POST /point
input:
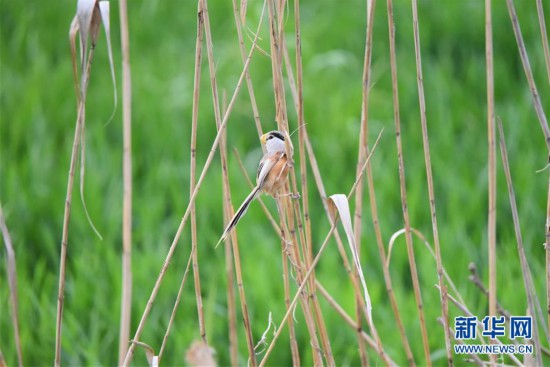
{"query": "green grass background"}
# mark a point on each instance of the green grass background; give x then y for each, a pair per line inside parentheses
(38, 112)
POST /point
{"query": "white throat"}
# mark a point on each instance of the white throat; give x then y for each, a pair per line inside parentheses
(275, 145)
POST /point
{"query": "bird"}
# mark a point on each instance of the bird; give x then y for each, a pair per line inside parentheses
(271, 177)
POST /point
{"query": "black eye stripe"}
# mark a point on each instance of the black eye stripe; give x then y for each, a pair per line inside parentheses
(277, 134)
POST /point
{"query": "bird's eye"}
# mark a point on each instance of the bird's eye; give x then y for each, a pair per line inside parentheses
(269, 137)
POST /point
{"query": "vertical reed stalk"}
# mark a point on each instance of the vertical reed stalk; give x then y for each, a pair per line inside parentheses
(67, 214)
(229, 268)
(291, 247)
(202, 14)
(305, 232)
(250, 88)
(544, 37)
(525, 270)
(244, 305)
(194, 120)
(540, 114)
(286, 280)
(492, 214)
(429, 178)
(385, 268)
(11, 271)
(363, 142)
(192, 199)
(302, 130)
(126, 301)
(408, 236)
(223, 150)
(231, 304)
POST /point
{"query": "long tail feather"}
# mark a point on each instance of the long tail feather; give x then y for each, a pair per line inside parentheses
(238, 215)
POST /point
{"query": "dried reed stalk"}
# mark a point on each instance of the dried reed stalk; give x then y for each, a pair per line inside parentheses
(193, 256)
(231, 304)
(385, 268)
(492, 182)
(191, 201)
(244, 304)
(202, 21)
(11, 271)
(525, 270)
(429, 178)
(223, 152)
(242, 49)
(227, 215)
(402, 184)
(126, 297)
(302, 131)
(295, 352)
(362, 154)
(67, 212)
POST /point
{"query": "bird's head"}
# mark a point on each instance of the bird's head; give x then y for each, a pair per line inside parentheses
(274, 141)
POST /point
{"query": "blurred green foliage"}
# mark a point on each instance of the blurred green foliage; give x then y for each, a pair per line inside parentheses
(38, 113)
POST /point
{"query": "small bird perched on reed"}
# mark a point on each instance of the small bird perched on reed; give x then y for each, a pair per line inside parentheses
(271, 177)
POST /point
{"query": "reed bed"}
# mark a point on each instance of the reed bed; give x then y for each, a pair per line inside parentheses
(336, 274)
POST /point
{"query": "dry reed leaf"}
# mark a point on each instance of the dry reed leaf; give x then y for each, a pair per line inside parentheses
(73, 32)
(419, 234)
(104, 10)
(82, 175)
(90, 15)
(84, 12)
(149, 353)
(200, 354)
(341, 203)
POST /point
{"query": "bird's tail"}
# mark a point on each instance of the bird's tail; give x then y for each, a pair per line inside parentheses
(238, 215)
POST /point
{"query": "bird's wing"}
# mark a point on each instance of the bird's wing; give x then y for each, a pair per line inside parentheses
(266, 164)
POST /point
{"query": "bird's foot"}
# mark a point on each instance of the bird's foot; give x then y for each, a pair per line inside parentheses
(291, 194)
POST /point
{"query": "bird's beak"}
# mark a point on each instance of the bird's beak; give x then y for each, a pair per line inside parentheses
(263, 138)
